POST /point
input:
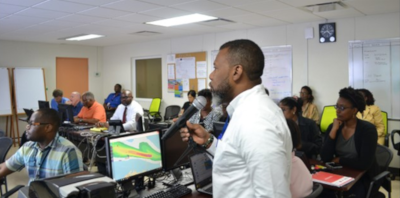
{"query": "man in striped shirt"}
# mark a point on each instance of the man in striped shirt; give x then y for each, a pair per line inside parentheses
(46, 154)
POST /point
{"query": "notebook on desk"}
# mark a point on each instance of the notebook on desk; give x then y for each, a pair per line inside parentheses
(201, 166)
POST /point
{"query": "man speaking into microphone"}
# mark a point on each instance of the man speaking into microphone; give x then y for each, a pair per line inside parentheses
(252, 155)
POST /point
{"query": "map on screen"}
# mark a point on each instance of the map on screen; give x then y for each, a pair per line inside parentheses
(136, 154)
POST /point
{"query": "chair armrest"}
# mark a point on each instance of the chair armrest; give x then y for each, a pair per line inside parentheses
(380, 176)
(12, 191)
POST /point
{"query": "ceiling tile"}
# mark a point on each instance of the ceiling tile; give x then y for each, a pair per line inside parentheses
(104, 13)
(166, 2)
(80, 18)
(256, 19)
(236, 2)
(63, 6)
(23, 20)
(292, 15)
(23, 2)
(336, 14)
(237, 26)
(264, 6)
(115, 23)
(131, 6)
(138, 18)
(166, 12)
(42, 13)
(10, 9)
(375, 7)
(226, 12)
(199, 6)
(62, 24)
(301, 3)
(93, 2)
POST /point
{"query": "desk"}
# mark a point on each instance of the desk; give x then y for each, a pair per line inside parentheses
(345, 171)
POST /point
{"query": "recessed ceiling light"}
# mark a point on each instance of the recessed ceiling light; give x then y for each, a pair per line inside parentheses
(193, 18)
(83, 37)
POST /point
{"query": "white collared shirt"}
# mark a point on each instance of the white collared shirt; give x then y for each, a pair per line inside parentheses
(133, 110)
(254, 157)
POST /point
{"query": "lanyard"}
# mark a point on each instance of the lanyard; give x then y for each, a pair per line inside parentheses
(224, 129)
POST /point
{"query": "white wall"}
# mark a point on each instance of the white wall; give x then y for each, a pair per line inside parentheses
(29, 54)
(327, 63)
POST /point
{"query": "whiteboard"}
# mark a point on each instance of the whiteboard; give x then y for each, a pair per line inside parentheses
(29, 87)
(5, 93)
(277, 75)
(374, 65)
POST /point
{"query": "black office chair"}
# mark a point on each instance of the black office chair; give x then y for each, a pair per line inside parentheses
(397, 144)
(317, 190)
(383, 156)
(171, 112)
(5, 145)
(2, 133)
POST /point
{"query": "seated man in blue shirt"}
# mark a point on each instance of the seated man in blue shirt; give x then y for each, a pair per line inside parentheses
(114, 99)
(46, 154)
(58, 99)
(75, 101)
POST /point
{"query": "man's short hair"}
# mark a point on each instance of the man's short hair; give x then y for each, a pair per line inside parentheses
(118, 85)
(57, 93)
(88, 95)
(248, 54)
(49, 116)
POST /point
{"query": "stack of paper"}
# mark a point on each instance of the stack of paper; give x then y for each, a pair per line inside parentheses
(331, 179)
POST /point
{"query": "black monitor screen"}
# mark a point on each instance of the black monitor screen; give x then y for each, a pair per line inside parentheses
(173, 148)
(66, 112)
(116, 126)
(43, 104)
(132, 155)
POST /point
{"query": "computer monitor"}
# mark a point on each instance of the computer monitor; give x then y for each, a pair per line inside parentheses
(133, 155)
(116, 126)
(66, 112)
(44, 104)
(172, 149)
(217, 128)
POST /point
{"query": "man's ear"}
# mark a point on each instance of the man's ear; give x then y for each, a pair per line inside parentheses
(49, 128)
(238, 72)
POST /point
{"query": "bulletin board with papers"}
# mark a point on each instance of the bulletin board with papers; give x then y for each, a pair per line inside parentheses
(187, 71)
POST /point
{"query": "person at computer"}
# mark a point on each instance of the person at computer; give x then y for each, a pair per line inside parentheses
(113, 99)
(301, 183)
(351, 142)
(91, 112)
(75, 101)
(310, 135)
(191, 97)
(207, 115)
(58, 99)
(372, 114)
(309, 109)
(128, 112)
(252, 157)
(46, 154)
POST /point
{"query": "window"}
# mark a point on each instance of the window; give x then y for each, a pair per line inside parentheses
(148, 78)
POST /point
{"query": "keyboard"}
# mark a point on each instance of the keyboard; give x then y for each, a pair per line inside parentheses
(175, 191)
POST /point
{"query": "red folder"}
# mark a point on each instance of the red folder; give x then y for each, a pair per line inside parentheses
(331, 179)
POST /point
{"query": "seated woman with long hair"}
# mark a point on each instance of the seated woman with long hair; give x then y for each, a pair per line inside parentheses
(207, 115)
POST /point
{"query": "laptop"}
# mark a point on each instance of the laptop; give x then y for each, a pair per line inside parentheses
(201, 166)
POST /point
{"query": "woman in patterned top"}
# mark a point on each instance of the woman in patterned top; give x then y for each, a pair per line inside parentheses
(207, 115)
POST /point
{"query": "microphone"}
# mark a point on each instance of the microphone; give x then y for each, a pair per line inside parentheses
(198, 104)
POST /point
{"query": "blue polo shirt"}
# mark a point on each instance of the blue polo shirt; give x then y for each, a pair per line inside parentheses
(114, 100)
(76, 109)
(54, 104)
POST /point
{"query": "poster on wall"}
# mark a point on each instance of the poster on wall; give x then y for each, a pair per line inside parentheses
(171, 71)
(185, 68)
(178, 88)
(171, 86)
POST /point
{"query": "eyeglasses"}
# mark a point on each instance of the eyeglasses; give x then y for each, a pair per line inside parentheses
(342, 108)
(36, 123)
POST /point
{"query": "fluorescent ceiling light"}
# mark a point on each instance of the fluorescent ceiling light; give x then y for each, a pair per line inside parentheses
(193, 18)
(83, 37)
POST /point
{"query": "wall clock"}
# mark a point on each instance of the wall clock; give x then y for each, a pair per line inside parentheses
(327, 32)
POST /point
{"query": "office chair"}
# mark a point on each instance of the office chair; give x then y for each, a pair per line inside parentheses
(385, 123)
(2, 133)
(317, 190)
(5, 145)
(383, 156)
(153, 113)
(397, 144)
(328, 114)
(171, 112)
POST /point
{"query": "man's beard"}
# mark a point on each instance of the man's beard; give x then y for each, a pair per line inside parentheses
(221, 94)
